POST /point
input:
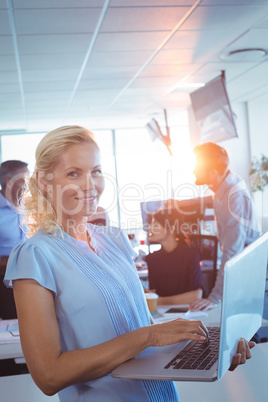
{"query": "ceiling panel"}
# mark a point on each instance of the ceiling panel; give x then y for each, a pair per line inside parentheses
(49, 62)
(11, 119)
(234, 2)
(8, 77)
(102, 96)
(245, 84)
(3, 4)
(194, 39)
(110, 72)
(119, 59)
(212, 70)
(151, 82)
(31, 97)
(48, 86)
(173, 70)
(151, 3)
(179, 56)
(4, 23)
(104, 83)
(12, 97)
(129, 41)
(128, 70)
(8, 63)
(53, 44)
(44, 107)
(218, 18)
(6, 44)
(56, 21)
(142, 18)
(57, 4)
(262, 24)
(9, 88)
(49, 75)
(256, 38)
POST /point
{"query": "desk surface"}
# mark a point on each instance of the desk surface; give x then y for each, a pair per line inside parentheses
(211, 317)
(10, 350)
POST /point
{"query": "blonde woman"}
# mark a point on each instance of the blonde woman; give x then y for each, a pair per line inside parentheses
(80, 304)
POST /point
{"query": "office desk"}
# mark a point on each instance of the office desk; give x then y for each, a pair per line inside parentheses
(10, 350)
(210, 318)
(248, 383)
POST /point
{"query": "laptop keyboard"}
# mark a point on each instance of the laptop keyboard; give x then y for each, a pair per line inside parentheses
(198, 355)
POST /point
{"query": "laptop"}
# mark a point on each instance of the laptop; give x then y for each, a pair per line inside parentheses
(241, 316)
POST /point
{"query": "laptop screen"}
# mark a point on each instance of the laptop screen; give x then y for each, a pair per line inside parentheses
(243, 298)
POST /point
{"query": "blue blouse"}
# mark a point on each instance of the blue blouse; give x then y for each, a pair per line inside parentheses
(97, 296)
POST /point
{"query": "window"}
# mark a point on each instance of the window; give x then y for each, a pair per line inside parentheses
(21, 147)
(141, 170)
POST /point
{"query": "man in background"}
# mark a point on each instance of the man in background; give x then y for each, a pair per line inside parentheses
(236, 219)
(12, 180)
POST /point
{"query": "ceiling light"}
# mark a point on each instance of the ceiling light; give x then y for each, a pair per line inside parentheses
(251, 54)
(186, 87)
(190, 85)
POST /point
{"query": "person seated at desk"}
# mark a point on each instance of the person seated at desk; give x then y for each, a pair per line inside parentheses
(12, 231)
(12, 180)
(174, 270)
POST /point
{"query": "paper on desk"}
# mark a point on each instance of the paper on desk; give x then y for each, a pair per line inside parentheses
(9, 331)
(189, 315)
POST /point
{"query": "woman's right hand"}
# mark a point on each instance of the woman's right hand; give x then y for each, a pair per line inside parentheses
(177, 330)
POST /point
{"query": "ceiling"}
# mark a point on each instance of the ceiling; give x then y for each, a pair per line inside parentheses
(110, 64)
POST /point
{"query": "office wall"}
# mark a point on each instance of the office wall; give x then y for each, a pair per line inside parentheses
(258, 126)
(239, 148)
(252, 140)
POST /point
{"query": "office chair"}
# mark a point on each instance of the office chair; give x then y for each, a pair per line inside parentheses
(8, 311)
(7, 303)
(207, 245)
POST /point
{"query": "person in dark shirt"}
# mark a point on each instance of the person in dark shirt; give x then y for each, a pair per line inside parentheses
(174, 270)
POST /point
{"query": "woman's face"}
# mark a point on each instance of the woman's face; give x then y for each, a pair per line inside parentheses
(76, 184)
(157, 233)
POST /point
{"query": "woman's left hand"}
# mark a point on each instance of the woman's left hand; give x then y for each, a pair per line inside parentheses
(243, 353)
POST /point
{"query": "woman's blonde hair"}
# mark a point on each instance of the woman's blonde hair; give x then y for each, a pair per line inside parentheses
(38, 211)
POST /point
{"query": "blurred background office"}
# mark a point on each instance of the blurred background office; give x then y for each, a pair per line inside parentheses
(113, 66)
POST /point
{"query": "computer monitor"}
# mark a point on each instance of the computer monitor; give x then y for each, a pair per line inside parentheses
(186, 216)
(147, 207)
(212, 111)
